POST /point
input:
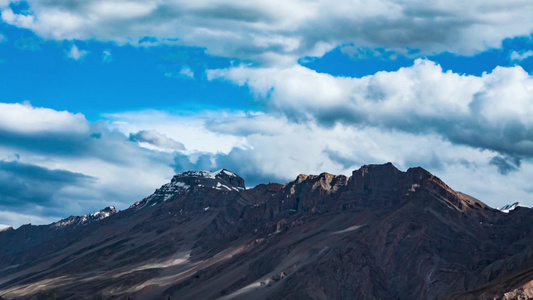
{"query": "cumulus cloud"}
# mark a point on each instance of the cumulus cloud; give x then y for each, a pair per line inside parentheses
(55, 164)
(156, 139)
(493, 111)
(283, 31)
(75, 53)
(277, 150)
(62, 173)
(24, 118)
(189, 129)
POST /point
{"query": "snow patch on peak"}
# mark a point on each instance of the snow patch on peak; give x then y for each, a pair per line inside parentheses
(507, 208)
(166, 192)
(229, 173)
(178, 185)
(104, 213)
(220, 186)
(207, 174)
(188, 182)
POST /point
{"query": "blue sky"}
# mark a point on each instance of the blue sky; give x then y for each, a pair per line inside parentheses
(110, 77)
(101, 102)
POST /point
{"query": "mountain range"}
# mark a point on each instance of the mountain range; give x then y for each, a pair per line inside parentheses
(379, 234)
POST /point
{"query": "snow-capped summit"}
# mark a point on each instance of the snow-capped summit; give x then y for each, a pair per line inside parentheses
(208, 174)
(221, 179)
(192, 182)
(507, 208)
(85, 218)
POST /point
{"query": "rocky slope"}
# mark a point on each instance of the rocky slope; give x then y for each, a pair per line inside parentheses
(378, 234)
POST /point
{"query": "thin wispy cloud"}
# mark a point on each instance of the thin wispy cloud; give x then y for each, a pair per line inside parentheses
(75, 53)
(516, 56)
(28, 43)
(107, 56)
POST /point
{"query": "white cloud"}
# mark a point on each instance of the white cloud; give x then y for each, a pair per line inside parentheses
(70, 166)
(15, 219)
(2, 38)
(261, 147)
(184, 73)
(493, 111)
(122, 9)
(19, 20)
(151, 138)
(276, 149)
(75, 53)
(187, 72)
(280, 32)
(516, 56)
(187, 129)
(24, 118)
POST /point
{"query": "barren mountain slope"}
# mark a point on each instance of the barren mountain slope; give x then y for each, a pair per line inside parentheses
(379, 234)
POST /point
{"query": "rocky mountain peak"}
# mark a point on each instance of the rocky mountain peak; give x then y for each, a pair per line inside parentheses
(386, 168)
(372, 177)
(375, 173)
(192, 182)
(371, 185)
(388, 175)
(85, 218)
(325, 181)
(301, 178)
(206, 177)
(9, 228)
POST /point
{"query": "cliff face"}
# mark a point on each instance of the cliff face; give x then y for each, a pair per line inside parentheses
(379, 234)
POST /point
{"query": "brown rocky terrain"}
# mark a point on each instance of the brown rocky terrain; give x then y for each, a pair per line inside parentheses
(379, 234)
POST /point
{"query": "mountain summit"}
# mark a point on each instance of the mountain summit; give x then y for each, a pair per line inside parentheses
(378, 234)
(191, 183)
